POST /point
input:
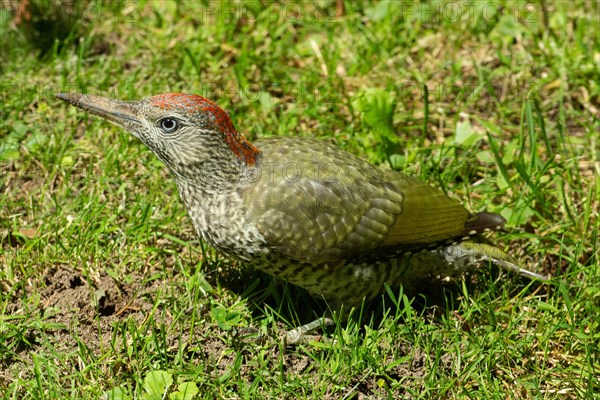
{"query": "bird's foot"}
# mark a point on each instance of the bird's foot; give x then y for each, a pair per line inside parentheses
(301, 335)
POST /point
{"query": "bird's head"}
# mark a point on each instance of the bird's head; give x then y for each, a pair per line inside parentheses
(187, 132)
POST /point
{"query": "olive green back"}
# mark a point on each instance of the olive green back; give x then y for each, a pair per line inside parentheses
(316, 203)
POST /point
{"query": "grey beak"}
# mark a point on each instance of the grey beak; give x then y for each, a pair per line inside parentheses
(116, 111)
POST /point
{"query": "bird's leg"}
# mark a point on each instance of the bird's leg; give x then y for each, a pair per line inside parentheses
(337, 312)
(301, 335)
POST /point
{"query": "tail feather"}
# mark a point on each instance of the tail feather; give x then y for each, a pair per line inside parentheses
(482, 222)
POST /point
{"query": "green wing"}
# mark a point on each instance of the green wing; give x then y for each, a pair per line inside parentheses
(428, 216)
(318, 204)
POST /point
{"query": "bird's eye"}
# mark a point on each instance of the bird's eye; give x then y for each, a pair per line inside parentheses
(169, 125)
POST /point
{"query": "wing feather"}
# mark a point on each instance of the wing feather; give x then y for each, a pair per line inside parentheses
(356, 209)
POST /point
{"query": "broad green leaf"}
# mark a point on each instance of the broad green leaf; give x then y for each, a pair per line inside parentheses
(117, 393)
(377, 107)
(157, 383)
(185, 391)
(224, 318)
(465, 135)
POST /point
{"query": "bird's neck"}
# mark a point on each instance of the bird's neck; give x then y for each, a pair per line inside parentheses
(214, 197)
(213, 176)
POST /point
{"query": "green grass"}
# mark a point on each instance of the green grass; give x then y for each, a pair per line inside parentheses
(106, 291)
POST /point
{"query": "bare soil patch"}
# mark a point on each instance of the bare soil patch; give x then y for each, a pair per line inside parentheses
(75, 310)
